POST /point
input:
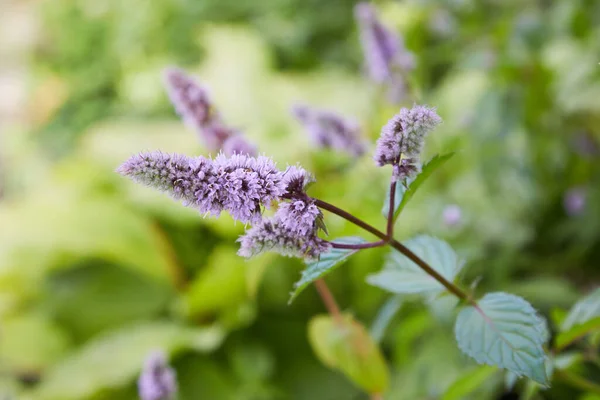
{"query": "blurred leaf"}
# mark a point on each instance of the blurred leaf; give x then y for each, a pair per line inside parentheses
(98, 296)
(326, 263)
(31, 342)
(469, 382)
(384, 316)
(346, 345)
(576, 332)
(583, 311)
(403, 194)
(219, 286)
(401, 275)
(504, 331)
(114, 359)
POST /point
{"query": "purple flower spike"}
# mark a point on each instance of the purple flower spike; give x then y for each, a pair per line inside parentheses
(297, 179)
(239, 184)
(385, 55)
(271, 235)
(402, 138)
(299, 217)
(193, 105)
(329, 130)
(157, 380)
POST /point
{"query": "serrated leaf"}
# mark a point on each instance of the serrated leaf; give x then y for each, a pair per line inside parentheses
(326, 263)
(583, 311)
(504, 330)
(113, 360)
(576, 332)
(401, 275)
(404, 194)
(468, 383)
(346, 346)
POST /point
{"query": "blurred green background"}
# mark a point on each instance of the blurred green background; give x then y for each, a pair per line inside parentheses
(96, 271)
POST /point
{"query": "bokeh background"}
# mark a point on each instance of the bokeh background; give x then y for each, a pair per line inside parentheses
(95, 271)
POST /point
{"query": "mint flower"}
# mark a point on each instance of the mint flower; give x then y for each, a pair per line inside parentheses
(330, 130)
(239, 184)
(157, 380)
(192, 103)
(299, 217)
(402, 138)
(297, 180)
(272, 235)
(386, 57)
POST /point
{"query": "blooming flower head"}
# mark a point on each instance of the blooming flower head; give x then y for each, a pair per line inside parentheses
(157, 380)
(402, 138)
(385, 55)
(239, 184)
(296, 180)
(194, 106)
(272, 235)
(329, 130)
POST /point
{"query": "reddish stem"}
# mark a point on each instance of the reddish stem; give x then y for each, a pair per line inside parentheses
(328, 300)
(358, 246)
(390, 218)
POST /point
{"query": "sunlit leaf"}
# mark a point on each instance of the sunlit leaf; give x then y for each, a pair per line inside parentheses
(345, 345)
(583, 311)
(326, 263)
(401, 275)
(469, 382)
(504, 330)
(576, 332)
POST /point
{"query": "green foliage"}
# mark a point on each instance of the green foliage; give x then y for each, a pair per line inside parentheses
(583, 311)
(326, 263)
(504, 330)
(401, 275)
(406, 190)
(344, 344)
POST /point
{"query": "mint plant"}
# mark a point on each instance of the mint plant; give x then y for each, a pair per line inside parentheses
(498, 329)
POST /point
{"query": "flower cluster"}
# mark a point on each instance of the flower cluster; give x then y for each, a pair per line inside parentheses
(157, 380)
(239, 184)
(329, 130)
(401, 140)
(192, 103)
(385, 55)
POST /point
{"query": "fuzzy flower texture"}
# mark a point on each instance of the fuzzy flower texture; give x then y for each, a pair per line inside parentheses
(242, 186)
(401, 140)
(157, 380)
(192, 103)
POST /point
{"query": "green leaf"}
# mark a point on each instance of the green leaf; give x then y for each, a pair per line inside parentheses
(583, 311)
(326, 263)
(113, 360)
(384, 317)
(576, 332)
(504, 330)
(404, 194)
(401, 275)
(345, 345)
(468, 383)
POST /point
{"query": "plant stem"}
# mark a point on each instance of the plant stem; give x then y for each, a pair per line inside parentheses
(390, 218)
(328, 300)
(358, 246)
(452, 288)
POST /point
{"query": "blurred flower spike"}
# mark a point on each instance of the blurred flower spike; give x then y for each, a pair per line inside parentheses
(330, 130)
(157, 380)
(192, 103)
(386, 58)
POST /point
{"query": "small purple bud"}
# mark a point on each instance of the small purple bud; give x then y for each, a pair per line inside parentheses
(574, 201)
(157, 380)
(330, 130)
(452, 215)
